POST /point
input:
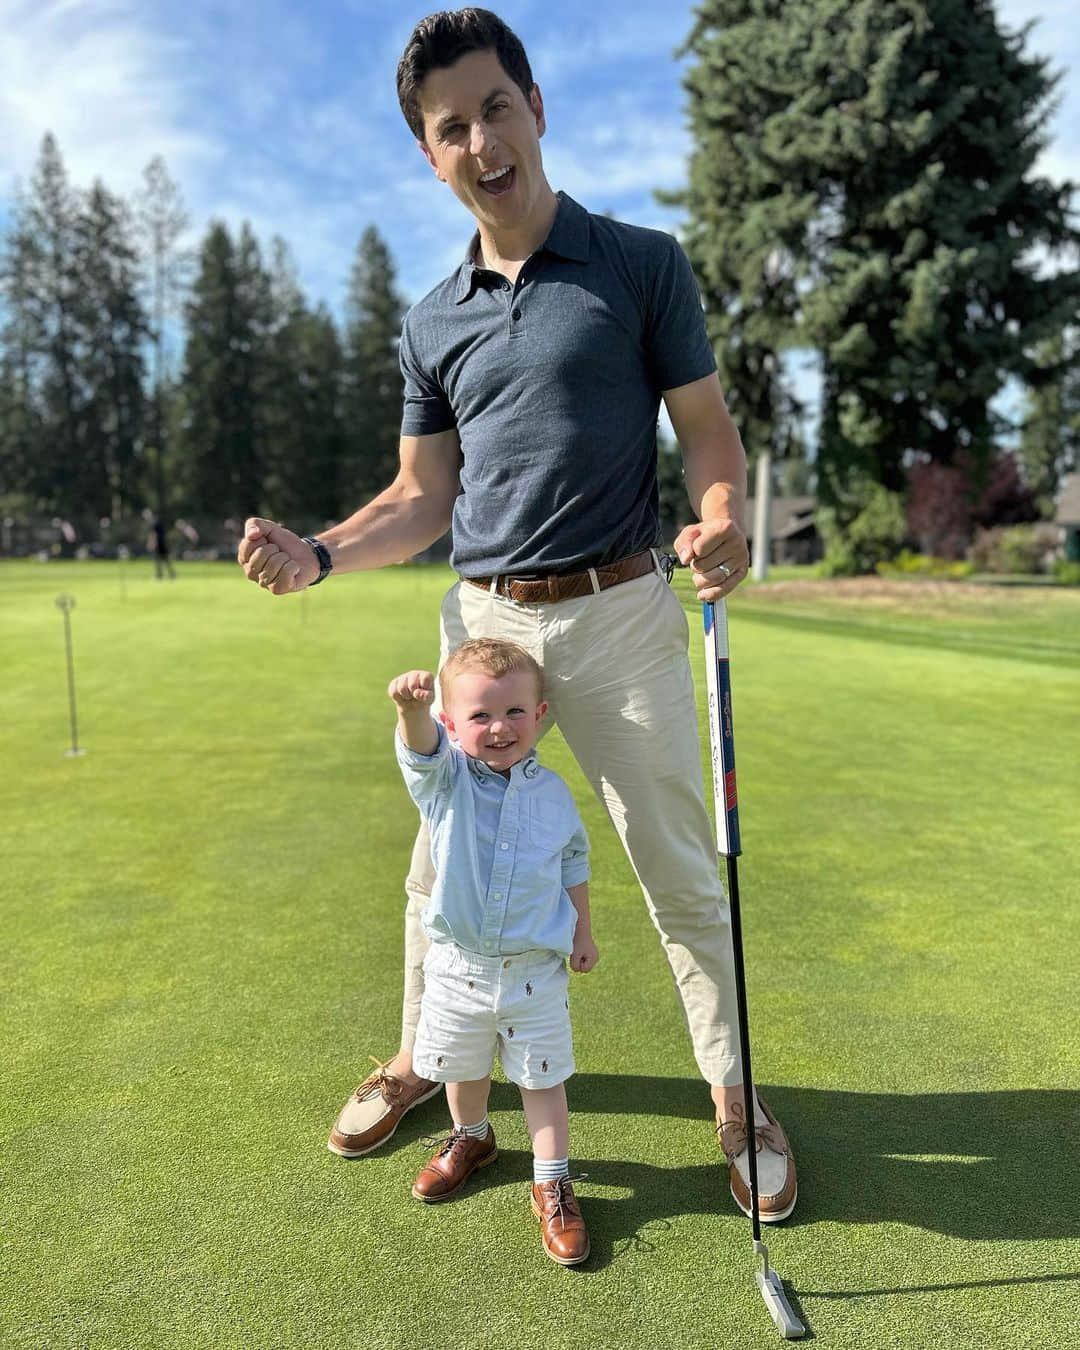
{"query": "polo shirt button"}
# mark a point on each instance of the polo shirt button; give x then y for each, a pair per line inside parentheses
(498, 895)
(516, 314)
(504, 847)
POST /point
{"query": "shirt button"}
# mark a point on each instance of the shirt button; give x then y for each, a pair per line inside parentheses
(504, 847)
(516, 314)
(506, 965)
(498, 895)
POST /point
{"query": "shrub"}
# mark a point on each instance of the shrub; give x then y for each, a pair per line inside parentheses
(1023, 549)
(945, 502)
(1067, 573)
(908, 564)
(868, 529)
(939, 508)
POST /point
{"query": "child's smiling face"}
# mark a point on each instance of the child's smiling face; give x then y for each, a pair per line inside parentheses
(496, 719)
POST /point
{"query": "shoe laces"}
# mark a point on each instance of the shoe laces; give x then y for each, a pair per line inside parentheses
(559, 1198)
(380, 1081)
(763, 1136)
(444, 1143)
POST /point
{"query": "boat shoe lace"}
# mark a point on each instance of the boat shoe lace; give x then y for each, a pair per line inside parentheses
(732, 1135)
(379, 1082)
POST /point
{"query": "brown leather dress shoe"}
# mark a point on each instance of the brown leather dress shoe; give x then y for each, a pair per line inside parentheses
(458, 1156)
(562, 1229)
(374, 1111)
(777, 1183)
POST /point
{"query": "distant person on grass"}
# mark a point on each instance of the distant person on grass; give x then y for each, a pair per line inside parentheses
(509, 906)
(533, 378)
(158, 543)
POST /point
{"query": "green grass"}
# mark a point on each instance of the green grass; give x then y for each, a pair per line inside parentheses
(202, 922)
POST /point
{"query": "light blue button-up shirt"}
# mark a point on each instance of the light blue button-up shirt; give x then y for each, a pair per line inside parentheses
(504, 849)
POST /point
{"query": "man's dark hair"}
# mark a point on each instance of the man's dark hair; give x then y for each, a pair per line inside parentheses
(441, 39)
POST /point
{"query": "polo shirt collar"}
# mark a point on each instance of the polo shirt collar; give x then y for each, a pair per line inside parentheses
(528, 767)
(567, 238)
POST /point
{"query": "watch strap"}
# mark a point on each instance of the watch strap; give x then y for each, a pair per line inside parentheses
(322, 555)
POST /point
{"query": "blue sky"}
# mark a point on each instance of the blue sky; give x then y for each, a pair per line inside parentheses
(284, 113)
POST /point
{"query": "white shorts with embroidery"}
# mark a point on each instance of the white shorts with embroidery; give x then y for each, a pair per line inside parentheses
(473, 1005)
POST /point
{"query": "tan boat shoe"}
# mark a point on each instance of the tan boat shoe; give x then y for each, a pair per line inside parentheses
(777, 1184)
(562, 1228)
(374, 1111)
(456, 1158)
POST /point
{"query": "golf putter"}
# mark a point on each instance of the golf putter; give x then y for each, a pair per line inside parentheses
(722, 742)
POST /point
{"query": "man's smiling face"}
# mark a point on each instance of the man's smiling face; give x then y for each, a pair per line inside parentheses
(482, 137)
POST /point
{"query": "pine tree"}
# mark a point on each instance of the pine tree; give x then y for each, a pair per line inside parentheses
(54, 300)
(21, 350)
(162, 221)
(373, 385)
(748, 218)
(113, 330)
(1050, 436)
(863, 183)
(302, 430)
(925, 300)
(225, 377)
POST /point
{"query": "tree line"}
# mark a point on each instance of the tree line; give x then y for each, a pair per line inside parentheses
(861, 185)
(274, 406)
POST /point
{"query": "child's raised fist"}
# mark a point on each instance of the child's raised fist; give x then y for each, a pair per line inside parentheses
(412, 688)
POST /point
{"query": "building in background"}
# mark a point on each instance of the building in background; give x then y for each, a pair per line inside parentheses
(793, 536)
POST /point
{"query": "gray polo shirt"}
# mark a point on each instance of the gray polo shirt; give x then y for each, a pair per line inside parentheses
(554, 387)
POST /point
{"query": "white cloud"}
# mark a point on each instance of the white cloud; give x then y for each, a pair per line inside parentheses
(111, 91)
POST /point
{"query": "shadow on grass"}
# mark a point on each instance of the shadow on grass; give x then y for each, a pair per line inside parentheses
(971, 1165)
(966, 1164)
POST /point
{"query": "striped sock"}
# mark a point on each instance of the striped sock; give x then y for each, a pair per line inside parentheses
(550, 1169)
(478, 1131)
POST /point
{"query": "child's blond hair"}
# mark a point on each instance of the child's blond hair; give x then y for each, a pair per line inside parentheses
(492, 656)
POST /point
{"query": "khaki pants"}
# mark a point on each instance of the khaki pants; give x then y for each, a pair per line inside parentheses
(617, 678)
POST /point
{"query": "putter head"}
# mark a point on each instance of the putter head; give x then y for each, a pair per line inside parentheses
(772, 1291)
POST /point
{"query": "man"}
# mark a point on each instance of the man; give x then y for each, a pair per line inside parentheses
(532, 384)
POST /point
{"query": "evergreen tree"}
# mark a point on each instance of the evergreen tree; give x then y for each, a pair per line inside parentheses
(748, 218)
(53, 302)
(373, 387)
(21, 350)
(675, 510)
(162, 221)
(113, 330)
(863, 172)
(224, 377)
(302, 419)
(925, 135)
(1050, 437)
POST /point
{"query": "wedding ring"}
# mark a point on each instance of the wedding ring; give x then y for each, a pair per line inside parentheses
(723, 567)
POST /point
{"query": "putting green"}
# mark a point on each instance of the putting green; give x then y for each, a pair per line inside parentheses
(202, 922)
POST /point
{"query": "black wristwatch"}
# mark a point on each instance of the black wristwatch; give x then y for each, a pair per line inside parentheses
(326, 563)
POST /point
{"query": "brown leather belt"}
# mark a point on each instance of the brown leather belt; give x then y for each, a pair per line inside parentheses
(548, 590)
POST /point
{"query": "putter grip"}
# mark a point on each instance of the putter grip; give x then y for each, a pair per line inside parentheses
(721, 729)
